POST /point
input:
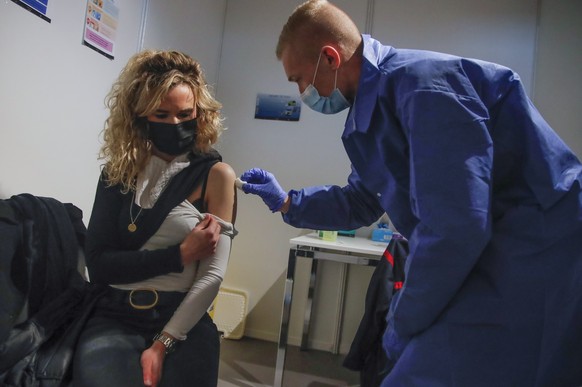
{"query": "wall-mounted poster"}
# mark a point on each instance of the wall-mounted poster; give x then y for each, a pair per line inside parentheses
(101, 21)
(278, 107)
(37, 7)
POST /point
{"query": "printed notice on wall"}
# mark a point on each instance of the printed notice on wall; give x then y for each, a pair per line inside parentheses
(277, 107)
(101, 26)
(37, 7)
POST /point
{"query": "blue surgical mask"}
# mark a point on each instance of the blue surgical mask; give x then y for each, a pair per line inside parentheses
(335, 103)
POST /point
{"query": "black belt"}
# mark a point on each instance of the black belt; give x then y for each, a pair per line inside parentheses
(143, 298)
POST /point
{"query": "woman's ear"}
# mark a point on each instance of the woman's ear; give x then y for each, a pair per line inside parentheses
(332, 57)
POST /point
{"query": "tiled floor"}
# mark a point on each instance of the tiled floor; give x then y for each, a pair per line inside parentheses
(251, 363)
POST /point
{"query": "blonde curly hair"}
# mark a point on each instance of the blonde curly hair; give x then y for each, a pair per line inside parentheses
(141, 86)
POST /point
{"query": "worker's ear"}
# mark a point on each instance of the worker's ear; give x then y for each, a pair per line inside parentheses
(331, 56)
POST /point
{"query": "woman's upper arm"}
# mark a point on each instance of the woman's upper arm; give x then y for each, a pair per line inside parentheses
(221, 192)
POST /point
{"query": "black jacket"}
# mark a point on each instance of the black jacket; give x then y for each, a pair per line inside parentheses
(366, 353)
(40, 243)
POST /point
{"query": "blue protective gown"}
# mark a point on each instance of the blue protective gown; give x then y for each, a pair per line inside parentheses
(490, 199)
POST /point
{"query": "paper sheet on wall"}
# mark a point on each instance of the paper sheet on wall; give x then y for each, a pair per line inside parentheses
(278, 107)
(101, 21)
(37, 7)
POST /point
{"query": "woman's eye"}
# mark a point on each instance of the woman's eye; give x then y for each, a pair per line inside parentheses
(161, 116)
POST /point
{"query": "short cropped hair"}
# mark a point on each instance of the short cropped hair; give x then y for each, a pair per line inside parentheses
(314, 24)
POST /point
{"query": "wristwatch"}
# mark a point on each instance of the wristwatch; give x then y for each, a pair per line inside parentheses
(166, 340)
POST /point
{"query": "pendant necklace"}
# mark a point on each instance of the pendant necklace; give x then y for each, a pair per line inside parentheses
(132, 227)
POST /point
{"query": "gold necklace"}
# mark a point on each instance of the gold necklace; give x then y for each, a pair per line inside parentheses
(132, 227)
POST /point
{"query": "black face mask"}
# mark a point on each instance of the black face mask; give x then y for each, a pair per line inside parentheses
(172, 139)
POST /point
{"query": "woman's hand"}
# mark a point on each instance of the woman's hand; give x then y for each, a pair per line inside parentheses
(201, 241)
(152, 361)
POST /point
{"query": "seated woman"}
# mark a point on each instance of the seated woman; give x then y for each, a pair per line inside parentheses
(160, 230)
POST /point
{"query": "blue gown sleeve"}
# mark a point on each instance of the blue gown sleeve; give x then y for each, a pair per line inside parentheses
(331, 207)
(451, 155)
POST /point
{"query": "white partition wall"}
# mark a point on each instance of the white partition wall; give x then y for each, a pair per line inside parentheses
(194, 27)
(53, 87)
(503, 32)
(52, 96)
(558, 71)
(299, 153)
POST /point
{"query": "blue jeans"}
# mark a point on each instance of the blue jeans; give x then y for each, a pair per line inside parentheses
(109, 350)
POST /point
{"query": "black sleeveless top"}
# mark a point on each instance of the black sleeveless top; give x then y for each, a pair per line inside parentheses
(112, 251)
(199, 203)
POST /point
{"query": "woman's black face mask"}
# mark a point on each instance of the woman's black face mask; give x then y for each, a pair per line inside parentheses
(172, 139)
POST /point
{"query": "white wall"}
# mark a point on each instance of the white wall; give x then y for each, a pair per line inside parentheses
(498, 31)
(194, 27)
(53, 87)
(52, 96)
(310, 152)
(558, 74)
(300, 154)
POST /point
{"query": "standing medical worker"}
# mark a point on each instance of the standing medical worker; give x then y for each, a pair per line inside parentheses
(486, 192)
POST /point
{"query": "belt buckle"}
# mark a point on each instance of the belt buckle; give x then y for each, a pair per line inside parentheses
(147, 306)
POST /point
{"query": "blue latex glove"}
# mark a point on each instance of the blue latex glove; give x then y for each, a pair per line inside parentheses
(263, 183)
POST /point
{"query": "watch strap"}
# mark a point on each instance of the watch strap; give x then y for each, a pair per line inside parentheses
(165, 339)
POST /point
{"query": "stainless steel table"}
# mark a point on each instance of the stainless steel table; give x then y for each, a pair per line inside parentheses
(345, 250)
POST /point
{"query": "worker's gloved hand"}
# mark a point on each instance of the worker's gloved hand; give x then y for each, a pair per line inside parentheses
(263, 183)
